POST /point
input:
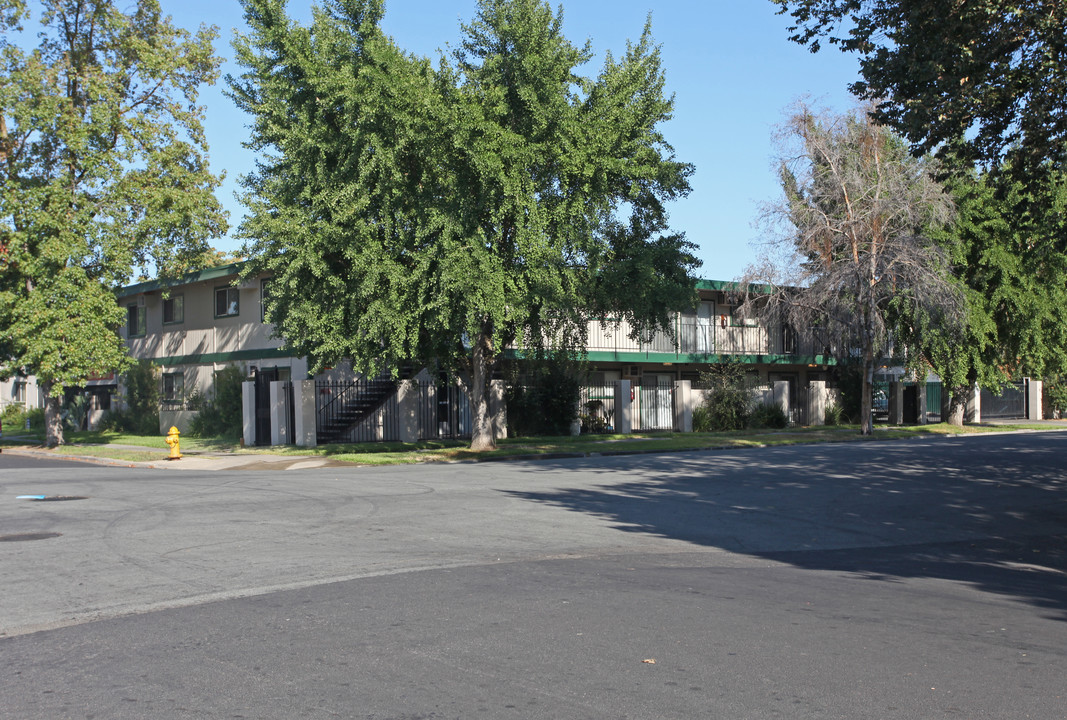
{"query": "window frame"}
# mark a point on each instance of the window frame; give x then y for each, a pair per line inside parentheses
(139, 314)
(236, 301)
(176, 398)
(180, 299)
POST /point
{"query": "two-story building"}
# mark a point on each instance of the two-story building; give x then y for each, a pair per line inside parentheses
(207, 320)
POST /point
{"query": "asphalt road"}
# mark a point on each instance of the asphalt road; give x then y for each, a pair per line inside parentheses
(917, 579)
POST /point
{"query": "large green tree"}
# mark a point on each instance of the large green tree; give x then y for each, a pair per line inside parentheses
(991, 71)
(1014, 268)
(413, 213)
(102, 159)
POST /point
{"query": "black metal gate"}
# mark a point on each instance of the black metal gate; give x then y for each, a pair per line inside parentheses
(262, 380)
(1010, 403)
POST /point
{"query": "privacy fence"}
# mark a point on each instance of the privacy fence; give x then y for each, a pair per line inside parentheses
(310, 413)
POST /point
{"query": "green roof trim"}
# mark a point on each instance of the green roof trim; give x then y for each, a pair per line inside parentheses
(188, 279)
(211, 358)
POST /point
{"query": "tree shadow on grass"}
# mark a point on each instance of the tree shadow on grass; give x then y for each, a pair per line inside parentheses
(989, 512)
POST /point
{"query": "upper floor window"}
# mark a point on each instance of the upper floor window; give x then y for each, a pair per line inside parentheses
(174, 310)
(227, 302)
(136, 320)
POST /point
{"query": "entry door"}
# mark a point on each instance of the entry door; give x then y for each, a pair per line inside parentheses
(656, 401)
(264, 377)
(705, 339)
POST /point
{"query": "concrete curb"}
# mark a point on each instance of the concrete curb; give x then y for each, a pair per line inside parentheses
(264, 461)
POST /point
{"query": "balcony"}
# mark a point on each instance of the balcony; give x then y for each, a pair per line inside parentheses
(704, 340)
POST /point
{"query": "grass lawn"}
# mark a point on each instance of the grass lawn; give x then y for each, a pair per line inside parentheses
(139, 448)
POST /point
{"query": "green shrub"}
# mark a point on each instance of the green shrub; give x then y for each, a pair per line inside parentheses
(850, 391)
(834, 414)
(141, 414)
(1054, 398)
(728, 397)
(222, 415)
(768, 415)
(701, 419)
(545, 401)
(15, 416)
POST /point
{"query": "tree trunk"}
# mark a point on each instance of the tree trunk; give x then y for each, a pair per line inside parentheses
(866, 406)
(482, 435)
(957, 406)
(53, 419)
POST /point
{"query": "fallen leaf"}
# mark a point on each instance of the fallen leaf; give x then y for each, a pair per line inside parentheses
(650, 661)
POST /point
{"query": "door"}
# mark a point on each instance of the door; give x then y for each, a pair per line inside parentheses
(263, 378)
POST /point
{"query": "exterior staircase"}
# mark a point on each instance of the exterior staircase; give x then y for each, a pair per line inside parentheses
(354, 403)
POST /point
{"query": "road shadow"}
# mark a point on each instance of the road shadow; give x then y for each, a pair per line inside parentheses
(989, 511)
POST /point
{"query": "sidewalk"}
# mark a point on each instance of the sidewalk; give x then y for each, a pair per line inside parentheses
(210, 461)
(196, 461)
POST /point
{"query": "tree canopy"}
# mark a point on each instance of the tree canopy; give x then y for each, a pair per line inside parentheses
(854, 260)
(102, 155)
(435, 215)
(990, 71)
(1014, 267)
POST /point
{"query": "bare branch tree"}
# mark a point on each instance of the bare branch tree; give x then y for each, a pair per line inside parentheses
(850, 260)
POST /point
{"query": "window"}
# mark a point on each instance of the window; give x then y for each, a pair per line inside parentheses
(135, 320)
(18, 391)
(174, 310)
(227, 302)
(264, 297)
(173, 389)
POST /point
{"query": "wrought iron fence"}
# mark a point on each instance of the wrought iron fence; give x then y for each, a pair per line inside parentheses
(1009, 403)
(652, 406)
(363, 410)
(596, 408)
(443, 411)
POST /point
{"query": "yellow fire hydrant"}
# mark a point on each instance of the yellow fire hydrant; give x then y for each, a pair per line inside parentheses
(172, 441)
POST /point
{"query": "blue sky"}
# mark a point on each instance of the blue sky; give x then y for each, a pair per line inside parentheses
(729, 63)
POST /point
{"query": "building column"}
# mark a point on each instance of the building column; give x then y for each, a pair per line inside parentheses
(920, 401)
(973, 413)
(683, 406)
(498, 408)
(248, 413)
(817, 402)
(780, 395)
(305, 434)
(1034, 409)
(407, 404)
(280, 432)
(896, 402)
(624, 420)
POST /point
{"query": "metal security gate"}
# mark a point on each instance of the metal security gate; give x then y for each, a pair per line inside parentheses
(1009, 403)
(654, 403)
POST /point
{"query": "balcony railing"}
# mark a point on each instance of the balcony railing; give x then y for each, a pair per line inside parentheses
(697, 339)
